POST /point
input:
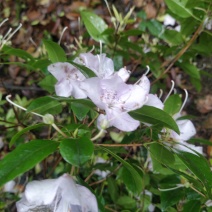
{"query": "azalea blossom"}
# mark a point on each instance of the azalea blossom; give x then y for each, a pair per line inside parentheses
(57, 195)
(154, 101)
(102, 66)
(68, 78)
(117, 99)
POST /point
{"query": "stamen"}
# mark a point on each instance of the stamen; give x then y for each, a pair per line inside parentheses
(100, 49)
(161, 93)
(147, 71)
(170, 91)
(8, 32)
(92, 49)
(65, 28)
(185, 100)
(6, 19)
(22, 108)
(20, 25)
(52, 124)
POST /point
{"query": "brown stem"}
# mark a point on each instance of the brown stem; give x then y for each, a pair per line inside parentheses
(182, 51)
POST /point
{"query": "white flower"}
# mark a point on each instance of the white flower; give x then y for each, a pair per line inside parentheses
(10, 187)
(58, 195)
(101, 65)
(186, 128)
(154, 101)
(117, 99)
(68, 78)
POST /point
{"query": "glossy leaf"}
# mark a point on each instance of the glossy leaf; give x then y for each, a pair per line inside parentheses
(27, 129)
(85, 71)
(94, 24)
(191, 206)
(44, 105)
(173, 104)
(155, 116)
(172, 37)
(136, 178)
(169, 198)
(80, 111)
(76, 151)
(161, 154)
(55, 52)
(199, 166)
(126, 202)
(17, 52)
(25, 157)
(178, 8)
(48, 83)
(113, 188)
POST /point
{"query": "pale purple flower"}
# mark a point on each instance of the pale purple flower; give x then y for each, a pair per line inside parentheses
(186, 127)
(68, 78)
(154, 101)
(117, 99)
(101, 65)
(57, 195)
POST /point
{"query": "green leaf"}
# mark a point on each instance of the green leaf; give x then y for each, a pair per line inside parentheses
(191, 70)
(126, 202)
(199, 140)
(191, 206)
(172, 37)
(25, 157)
(178, 8)
(17, 52)
(199, 166)
(27, 129)
(173, 104)
(55, 52)
(135, 177)
(80, 110)
(113, 188)
(42, 64)
(84, 102)
(44, 105)
(155, 116)
(48, 83)
(88, 73)
(94, 24)
(155, 27)
(169, 198)
(162, 154)
(76, 151)
(125, 176)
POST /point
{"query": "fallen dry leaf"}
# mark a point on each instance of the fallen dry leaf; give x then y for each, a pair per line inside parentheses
(204, 105)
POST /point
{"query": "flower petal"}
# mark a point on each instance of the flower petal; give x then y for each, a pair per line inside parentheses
(87, 199)
(124, 74)
(145, 83)
(187, 130)
(92, 89)
(64, 71)
(154, 101)
(122, 121)
(101, 65)
(135, 98)
(63, 88)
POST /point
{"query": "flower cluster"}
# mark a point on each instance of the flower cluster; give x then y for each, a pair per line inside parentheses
(108, 90)
(57, 195)
(111, 94)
